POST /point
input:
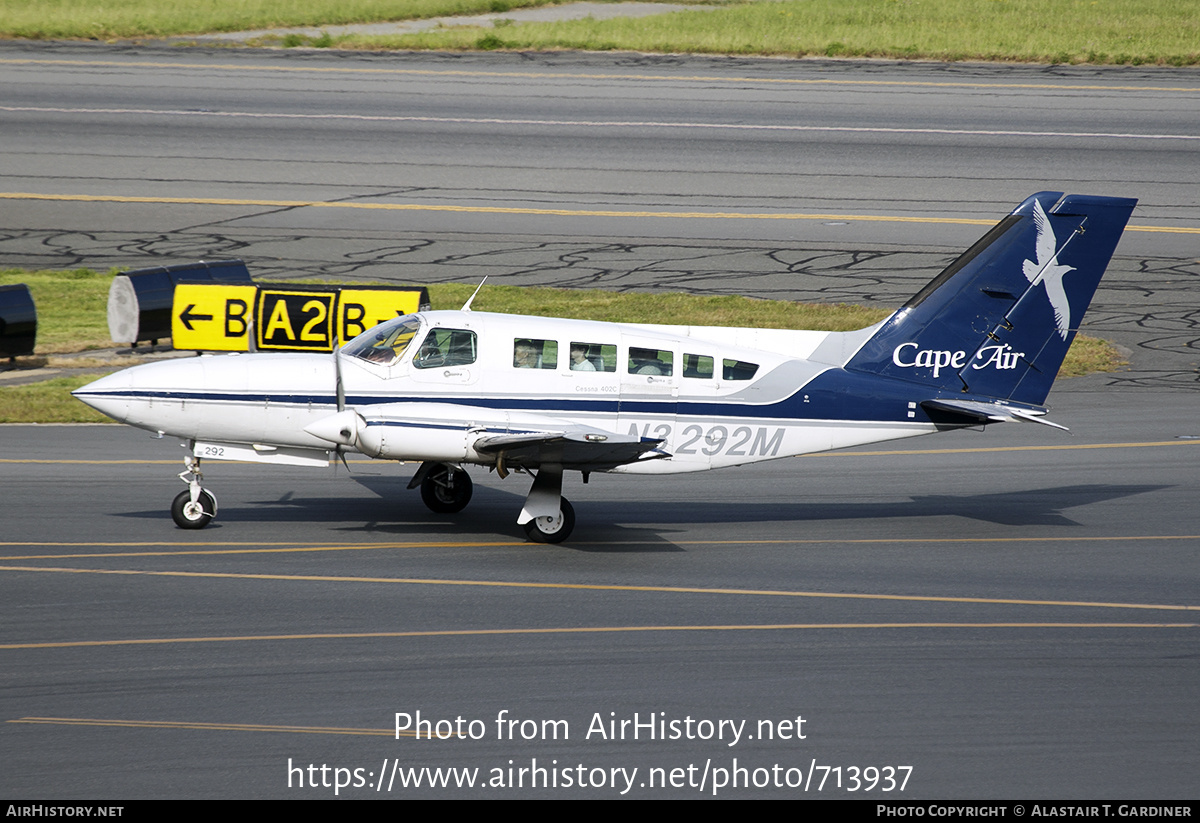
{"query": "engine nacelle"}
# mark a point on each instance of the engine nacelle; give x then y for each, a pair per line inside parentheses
(400, 440)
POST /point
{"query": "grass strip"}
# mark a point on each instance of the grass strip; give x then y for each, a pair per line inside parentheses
(87, 19)
(1165, 32)
(49, 401)
(72, 307)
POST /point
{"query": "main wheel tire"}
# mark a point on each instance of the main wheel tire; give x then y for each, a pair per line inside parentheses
(552, 529)
(447, 491)
(189, 515)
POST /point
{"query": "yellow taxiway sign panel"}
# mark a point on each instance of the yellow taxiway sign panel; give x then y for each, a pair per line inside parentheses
(361, 309)
(294, 320)
(212, 317)
(220, 317)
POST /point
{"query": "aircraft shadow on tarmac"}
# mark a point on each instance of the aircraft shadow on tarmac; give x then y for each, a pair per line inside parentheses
(1027, 507)
(491, 511)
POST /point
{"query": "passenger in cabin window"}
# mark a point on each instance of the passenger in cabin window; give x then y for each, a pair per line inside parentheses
(579, 361)
(525, 355)
(650, 361)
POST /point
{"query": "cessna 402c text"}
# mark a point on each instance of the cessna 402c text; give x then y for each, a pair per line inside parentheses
(980, 344)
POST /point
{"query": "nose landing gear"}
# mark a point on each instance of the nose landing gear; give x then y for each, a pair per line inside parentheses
(196, 507)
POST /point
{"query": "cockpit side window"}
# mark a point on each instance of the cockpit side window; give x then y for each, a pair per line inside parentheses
(446, 347)
(387, 342)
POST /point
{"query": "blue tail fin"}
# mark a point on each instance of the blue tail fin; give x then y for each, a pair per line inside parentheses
(999, 320)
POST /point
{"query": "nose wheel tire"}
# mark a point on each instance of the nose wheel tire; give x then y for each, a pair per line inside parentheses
(189, 515)
(552, 529)
(446, 490)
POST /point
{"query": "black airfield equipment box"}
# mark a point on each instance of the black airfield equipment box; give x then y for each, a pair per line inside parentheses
(18, 321)
(139, 302)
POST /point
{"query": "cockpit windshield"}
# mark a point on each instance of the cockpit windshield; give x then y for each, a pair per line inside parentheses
(386, 342)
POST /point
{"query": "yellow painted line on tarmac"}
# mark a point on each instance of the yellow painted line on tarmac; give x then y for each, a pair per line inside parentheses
(986, 449)
(325, 204)
(684, 215)
(91, 462)
(1164, 229)
(508, 584)
(188, 544)
(159, 641)
(293, 548)
(137, 462)
(224, 727)
(691, 78)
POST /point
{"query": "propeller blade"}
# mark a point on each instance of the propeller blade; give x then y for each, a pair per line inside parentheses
(338, 389)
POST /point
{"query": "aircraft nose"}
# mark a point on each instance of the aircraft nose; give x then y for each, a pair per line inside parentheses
(108, 395)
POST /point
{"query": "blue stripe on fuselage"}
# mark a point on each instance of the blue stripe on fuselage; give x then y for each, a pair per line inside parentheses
(832, 395)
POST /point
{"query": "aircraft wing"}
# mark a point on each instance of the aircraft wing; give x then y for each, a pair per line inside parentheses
(438, 431)
(584, 448)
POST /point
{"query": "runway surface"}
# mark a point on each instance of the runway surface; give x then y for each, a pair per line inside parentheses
(1009, 614)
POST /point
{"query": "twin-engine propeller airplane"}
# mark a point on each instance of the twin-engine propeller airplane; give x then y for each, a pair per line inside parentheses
(980, 344)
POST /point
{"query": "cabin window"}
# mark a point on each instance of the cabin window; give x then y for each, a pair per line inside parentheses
(385, 343)
(739, 370)
(593, 357)
(446, 347)
(650, 361)
(535, 354)
(698, 365)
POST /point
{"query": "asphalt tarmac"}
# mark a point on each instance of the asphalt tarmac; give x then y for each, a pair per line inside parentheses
(997, 611)
(1005, 614)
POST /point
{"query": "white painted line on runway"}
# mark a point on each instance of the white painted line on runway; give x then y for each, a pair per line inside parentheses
(601, 124)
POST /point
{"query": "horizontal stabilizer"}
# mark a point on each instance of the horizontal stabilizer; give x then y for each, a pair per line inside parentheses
(983, 412)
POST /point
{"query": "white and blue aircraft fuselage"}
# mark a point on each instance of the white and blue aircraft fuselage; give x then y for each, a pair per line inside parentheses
(981, 343)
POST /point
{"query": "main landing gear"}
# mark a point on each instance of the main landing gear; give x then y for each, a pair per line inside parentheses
(196, 507)
(550, 528)
(445, 490)
(547, 516)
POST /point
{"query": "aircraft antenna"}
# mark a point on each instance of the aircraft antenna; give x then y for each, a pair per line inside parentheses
(467, 305)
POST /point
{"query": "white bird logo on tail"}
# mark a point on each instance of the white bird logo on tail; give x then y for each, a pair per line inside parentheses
(1049, 269)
